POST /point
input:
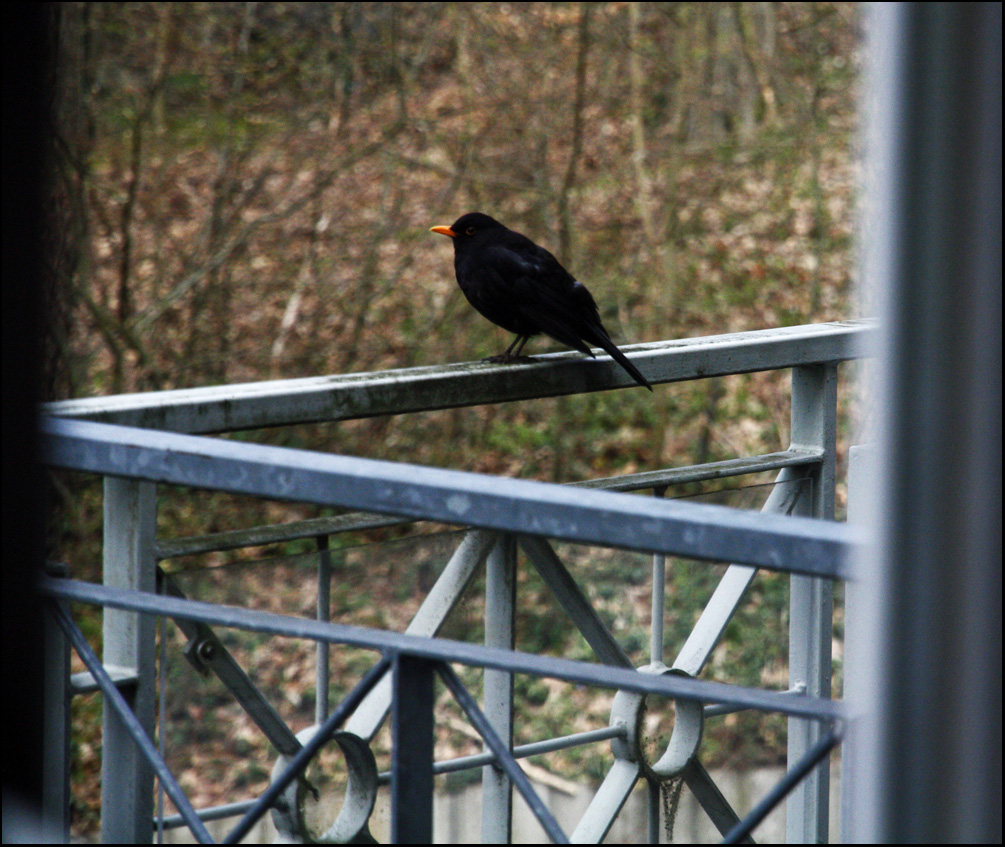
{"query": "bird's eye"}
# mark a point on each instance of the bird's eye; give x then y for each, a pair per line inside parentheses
(470, 231)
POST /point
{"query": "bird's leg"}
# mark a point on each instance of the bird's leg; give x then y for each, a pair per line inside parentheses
(512, 355)
(519, 340)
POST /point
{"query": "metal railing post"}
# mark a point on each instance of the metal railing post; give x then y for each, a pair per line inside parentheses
(654, 794)
(56, 733)
(322, 672)
(500, 603)
(412, 754)
(130, 644)
(814, 426)
(658, 599)
(863, 601)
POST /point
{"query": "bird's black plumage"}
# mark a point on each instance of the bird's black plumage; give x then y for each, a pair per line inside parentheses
(524, 289)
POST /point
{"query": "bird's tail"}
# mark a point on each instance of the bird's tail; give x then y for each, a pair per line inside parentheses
(612, 349)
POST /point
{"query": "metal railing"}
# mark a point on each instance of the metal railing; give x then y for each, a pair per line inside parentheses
(139, 441)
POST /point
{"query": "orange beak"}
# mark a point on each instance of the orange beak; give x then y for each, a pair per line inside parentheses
(443, 230)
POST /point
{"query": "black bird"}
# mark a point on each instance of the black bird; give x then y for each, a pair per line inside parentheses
(524, 289)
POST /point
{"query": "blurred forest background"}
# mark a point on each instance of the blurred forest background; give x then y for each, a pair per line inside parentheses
(243, 191)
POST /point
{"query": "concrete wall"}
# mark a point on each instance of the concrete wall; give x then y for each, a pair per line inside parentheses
(457, 814)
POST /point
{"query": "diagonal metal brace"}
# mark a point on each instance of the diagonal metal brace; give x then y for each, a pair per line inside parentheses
(711, 799)
(575, 603)
(504, 756)
(792, 778)
(441, 600)
(132, 724)
(207, 653)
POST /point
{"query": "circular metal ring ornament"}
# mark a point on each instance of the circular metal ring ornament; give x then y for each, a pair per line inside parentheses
(628, 710)
(351, 825)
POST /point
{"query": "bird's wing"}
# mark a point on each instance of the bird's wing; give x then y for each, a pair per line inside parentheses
(541, 293)
(560, 317)
(525, 289)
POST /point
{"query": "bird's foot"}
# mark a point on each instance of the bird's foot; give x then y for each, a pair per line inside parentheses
(505, 359)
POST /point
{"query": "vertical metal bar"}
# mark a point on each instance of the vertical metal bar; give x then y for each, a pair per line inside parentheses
(127, 779)
(656, 618)
(863, 606)
(659, 595)
(412, 755)
(655, 801)
(321, 681)
(500, 606)
(934, 247)
(814, 426)
(56, 733)
(162, 644)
